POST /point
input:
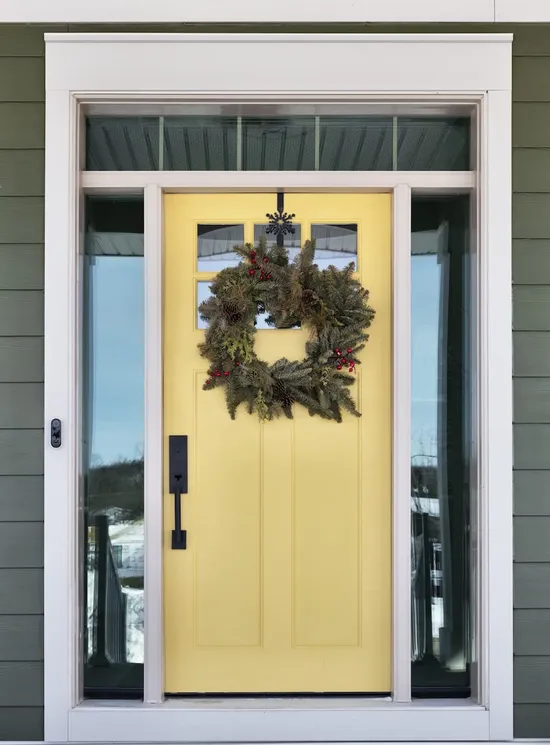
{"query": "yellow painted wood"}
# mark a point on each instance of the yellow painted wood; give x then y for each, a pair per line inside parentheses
(286, 582)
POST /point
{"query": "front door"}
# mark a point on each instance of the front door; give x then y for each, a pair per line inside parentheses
(285, 585)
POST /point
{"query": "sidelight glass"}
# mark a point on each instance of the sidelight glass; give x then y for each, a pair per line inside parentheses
(112, 447)
(441, 441)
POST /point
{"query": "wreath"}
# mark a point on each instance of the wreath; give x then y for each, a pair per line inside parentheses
(330, 303)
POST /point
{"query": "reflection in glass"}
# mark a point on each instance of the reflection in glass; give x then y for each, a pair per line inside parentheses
(122, 143)
(356, 143)
(335, 245)
(433, 144)
(215, 245)
(112, 447)
(278, 144)
(199, 143)
(292, 241)
(440, 445)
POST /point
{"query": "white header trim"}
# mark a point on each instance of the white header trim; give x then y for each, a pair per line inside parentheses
(247, 11)
(277, 38)
(336, 64)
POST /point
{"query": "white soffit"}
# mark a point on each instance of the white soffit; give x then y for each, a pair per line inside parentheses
(522, 11)
(248, 11)
(346, 64)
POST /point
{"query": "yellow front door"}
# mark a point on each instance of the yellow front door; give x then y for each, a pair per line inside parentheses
(285, 585)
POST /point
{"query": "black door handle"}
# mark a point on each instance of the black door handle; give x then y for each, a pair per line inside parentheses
(177, 457)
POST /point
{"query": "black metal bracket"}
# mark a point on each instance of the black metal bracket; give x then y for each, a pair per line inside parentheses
(177, 457)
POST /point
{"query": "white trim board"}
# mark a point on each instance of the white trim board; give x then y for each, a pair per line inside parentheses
(366, 64)
(248, 11)
(125, 69)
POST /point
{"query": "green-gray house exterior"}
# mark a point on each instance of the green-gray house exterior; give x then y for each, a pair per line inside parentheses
(22, 374)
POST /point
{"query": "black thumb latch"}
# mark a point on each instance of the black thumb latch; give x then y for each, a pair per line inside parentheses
(55, 433)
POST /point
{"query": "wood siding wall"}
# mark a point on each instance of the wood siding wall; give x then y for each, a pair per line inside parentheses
(21, 377)
(531, 276)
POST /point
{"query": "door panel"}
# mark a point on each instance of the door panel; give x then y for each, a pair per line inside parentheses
(286, 582)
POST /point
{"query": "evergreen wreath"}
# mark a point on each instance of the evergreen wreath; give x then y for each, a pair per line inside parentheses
(330, 303)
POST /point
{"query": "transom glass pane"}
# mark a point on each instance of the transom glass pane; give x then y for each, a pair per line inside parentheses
(277, 143)
(356, 143)
(199, 143)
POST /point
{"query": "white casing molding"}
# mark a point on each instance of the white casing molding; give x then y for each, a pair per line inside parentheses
(248, 11)
(143, 69)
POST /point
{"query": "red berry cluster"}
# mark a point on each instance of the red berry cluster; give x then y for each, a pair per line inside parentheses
(341, 360)
(216, 374)
(264, 274)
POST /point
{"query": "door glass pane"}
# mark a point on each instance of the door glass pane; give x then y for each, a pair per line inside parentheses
(292, 241)
(335, 245)
(441, 436)
(112, 447)
(215, 245)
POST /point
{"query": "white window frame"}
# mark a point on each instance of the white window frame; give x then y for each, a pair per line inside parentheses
(427, 70)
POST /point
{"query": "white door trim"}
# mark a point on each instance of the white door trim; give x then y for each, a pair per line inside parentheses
(248, 11)
(84, 68)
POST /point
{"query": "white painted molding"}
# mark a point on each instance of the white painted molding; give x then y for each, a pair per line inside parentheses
(315, 68)
(522, 11)
(247, 11)
(154, 439)
(401, 483)
(298, 181)
(302, 65)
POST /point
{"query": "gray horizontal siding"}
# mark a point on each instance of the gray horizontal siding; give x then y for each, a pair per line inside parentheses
(21, 592)
(21, 125)
(22, 79)
(530, 215)
(21, 267)
(21, 683)
(531, 262)
(21, 545)
(22, 498)
(21, 723)
(21, 452)
(21, 313)
(22, 173)
(21, 359)
(531, 493)
(531, 277)
(22, 405)
(21, 638)
(21, 381)
(21, 219)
